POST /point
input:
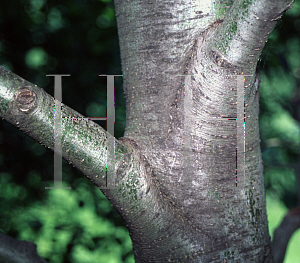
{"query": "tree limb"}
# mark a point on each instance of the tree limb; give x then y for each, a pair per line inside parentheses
(245, 30)
(17, 251)
(283, 233)
(83, 142)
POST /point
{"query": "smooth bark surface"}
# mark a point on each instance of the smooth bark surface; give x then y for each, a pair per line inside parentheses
(175, 166)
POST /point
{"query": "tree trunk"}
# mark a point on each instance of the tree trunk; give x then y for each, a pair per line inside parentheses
(199, 212)
(184, 186)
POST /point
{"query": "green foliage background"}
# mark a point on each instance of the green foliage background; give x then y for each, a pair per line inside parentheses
(279, 123)
(37, 38)
(79, 37)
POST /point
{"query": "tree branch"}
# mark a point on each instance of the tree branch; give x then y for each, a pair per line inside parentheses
(17, 251)
(283, 233)
(245, 30)
(83, 142)
(31, 109)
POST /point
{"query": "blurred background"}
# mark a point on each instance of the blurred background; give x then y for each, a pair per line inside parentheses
(79, 37)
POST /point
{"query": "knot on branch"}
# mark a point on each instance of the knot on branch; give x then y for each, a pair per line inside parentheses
(25, 99)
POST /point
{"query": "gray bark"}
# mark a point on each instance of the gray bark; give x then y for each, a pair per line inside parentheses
(213, 220)
(15, 251)
(282, 235)
(175, 166)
